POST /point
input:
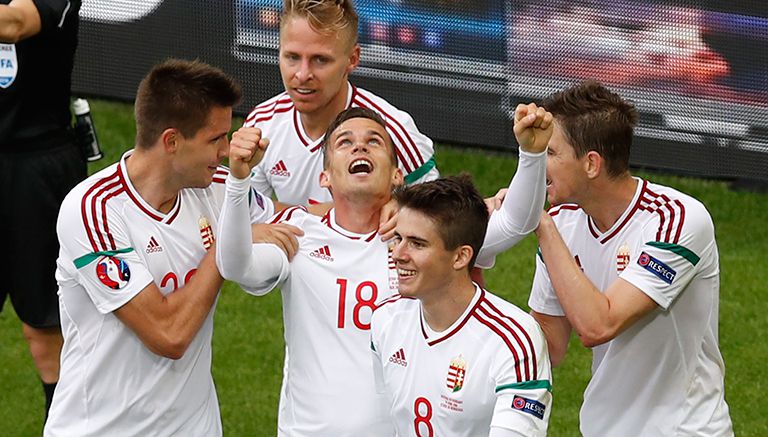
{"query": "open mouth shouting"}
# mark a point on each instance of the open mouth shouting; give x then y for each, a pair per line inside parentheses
(361, 165)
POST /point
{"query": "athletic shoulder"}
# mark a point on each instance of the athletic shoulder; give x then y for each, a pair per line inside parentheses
(269, 110)
(567, 216)
(294, 215)
(391, 308)
(508, 309)
(672, 214)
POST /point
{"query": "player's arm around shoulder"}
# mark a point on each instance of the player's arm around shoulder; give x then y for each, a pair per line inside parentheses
(523, 382)
(261, 266)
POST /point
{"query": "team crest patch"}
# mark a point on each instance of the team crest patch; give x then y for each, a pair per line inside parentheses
(658, 268)
(9, 65)
(113, 272)
(529, 406)
(457, 373)
(206, 232)
(622, 258)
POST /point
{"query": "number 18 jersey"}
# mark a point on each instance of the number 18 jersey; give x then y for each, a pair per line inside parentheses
(333, 284)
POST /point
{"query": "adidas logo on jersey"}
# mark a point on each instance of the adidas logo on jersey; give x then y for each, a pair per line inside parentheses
(322, 253)
(153, 247)
(280, 169)
(399, 358)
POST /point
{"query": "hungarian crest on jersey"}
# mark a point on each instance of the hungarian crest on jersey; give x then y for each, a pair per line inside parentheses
(622, 258)
(206, 232)
(457, 373)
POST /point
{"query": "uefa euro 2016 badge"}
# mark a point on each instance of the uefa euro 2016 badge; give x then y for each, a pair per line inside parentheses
(457, 373)
(9, 65)
(113, 272)
(206, 232)
(622, 258)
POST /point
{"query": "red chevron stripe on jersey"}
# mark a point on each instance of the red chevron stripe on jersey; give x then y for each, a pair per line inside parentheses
(220, 177)
(267, 110)
(555, 210)
(508, 325)
(286, 214)
(93, 206)
(671, 214)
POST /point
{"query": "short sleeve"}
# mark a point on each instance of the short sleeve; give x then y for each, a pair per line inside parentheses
(543, 298)
(670, 255)
(102, 257)
(523, 404)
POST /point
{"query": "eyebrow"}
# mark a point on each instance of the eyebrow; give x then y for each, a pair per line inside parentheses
(370, 132)
(412, 238)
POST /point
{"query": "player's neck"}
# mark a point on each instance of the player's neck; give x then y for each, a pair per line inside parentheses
(315, 123)
(444, 307)
(608, 200)
(151, 180)
(360, 216)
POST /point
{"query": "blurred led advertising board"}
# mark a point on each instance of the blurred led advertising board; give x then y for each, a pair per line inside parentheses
(698, 72)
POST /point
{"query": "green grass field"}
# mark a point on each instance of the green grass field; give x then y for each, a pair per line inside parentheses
(248, 341)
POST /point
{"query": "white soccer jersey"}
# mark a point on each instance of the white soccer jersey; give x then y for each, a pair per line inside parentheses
(329, 288)
(113, 244)
(489, 369)
(292, 164)
(663, 375)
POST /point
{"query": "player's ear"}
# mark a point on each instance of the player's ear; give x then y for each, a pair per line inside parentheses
(593, 164)
(325, 179)
(397, 178)
(463, 255)
(354, 58)
(171, 138)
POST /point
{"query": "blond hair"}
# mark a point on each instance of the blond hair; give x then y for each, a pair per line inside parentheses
(324, 16)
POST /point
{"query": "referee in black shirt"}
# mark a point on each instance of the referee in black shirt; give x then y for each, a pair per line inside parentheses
(39, 164)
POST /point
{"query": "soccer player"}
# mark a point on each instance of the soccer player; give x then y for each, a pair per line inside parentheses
(318, 51)
(632, 267)
(342, 270)
(454, 359)
(136, 272)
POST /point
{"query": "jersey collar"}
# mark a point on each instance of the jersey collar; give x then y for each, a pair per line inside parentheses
(139, 201)
(329, 219)
(432, 338)
(634, 206)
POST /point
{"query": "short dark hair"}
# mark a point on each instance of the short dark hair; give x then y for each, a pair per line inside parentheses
(357, 112)
(456, 207)
(180, 94)
(595, 118)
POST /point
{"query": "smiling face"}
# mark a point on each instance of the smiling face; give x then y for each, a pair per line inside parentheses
(425, 268)
(566, 175)
(314, 66)
(196, 158)
(358, 159)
